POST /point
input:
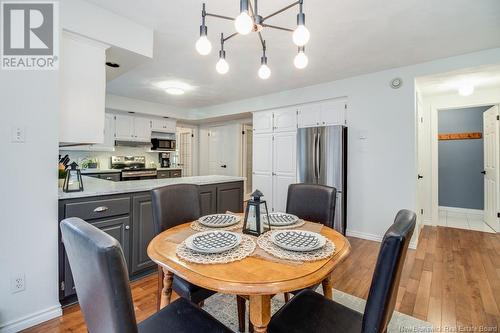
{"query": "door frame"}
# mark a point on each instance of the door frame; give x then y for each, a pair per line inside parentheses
(456, 103)
(243, 167)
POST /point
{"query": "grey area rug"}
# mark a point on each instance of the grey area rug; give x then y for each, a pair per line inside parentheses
(223, 307)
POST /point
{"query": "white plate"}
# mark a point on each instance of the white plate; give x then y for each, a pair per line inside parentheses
(281, 219)
(213, 241)
(298, 240)
(219, 220)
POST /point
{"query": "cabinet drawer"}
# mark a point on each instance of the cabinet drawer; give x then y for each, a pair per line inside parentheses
(175, 173)
(163, 174)
(97, 209)
(115, 177)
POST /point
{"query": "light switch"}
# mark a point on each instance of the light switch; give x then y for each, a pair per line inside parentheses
(18, 134)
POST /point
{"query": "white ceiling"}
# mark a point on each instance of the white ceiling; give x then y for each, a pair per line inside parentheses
(479, 77)
(347, 38)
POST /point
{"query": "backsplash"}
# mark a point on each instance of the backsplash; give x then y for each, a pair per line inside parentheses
(104, 157)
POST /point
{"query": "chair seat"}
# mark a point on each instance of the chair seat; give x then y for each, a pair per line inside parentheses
(190, 291)
(312, 312)
(182, 316)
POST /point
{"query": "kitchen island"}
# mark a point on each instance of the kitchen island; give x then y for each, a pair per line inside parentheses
(123, 210)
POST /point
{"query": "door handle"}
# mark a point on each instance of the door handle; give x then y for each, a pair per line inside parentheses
(100, 209)
(318, 156)
(223, 166)
(420, 177)
(483, 172)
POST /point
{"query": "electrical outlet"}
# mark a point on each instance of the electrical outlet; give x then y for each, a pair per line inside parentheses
(18, 134)
(17, 283)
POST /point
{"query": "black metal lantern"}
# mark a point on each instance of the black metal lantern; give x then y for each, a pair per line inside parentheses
(253, 222)
(73, 181)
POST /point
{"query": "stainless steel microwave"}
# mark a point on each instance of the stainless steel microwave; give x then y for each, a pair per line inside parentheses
(163, 144)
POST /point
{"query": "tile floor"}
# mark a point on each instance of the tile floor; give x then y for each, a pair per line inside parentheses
(468, 221)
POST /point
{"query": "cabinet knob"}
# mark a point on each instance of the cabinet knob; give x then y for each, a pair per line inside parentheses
(100, 209)
(127, 227)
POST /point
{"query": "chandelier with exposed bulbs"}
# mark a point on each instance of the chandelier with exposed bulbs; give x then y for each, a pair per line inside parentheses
(248, 21)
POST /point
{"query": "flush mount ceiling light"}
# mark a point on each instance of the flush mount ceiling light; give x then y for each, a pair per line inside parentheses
(249, 21)
(174, 87)
(466, 89)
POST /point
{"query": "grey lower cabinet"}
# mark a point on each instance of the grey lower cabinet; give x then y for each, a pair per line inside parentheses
(143, 232)
(129, 219)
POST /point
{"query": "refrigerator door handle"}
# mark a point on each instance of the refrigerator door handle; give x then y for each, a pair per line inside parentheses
(318, 156)
(315, 156)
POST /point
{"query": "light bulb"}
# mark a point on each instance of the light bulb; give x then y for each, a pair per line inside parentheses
(301, 60)
(222, 66)
(203, 45)
(264, 72)
(243, 23)
(301, 35)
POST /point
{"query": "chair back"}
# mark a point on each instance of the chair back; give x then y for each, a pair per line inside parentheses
(385, 281)
(312, 202)
(174, 205)
(101, 277)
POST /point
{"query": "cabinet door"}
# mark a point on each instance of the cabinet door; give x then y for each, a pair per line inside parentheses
(264, 183)
(142, 129)
(208, 199)
(170, 125)
(262, 159)
(285, 120)
(124, 127)
(280, 191)
(230, 197)
(309, 115)
(263, 122)
(109, 135)
(143, 232)
(158, 124)
(333, 112)
(284, 153)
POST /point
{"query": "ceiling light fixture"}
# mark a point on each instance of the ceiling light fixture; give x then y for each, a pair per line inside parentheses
(174, 91)
(174, 87)
(466, 89)
(248, 21)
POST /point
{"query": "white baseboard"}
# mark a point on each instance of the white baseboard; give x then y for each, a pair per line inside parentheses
(31, 320)
(428, 222)
(462, 210)
(372, 237)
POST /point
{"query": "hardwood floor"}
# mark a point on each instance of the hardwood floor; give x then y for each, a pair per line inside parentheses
(451, 280)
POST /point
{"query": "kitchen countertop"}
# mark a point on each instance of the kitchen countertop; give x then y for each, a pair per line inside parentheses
(92, 171)
(97, 187)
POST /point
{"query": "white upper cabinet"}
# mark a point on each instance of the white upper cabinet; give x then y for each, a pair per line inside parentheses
(263, 122)
(333, 112)
(163, 125)
(109, 135)
(285, 119)
(132, 128)
(326, 113)
(82, 90)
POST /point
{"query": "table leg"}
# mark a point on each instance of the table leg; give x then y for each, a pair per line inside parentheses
(160, 288)
(260, 312)
(327, 287)
(166, 292)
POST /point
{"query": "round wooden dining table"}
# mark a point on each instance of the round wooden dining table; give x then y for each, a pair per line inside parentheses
(254, 277)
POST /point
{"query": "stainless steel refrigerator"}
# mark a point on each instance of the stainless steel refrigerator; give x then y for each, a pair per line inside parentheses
(322, 159)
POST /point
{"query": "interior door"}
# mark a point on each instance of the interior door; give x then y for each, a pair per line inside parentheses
(215, 151)
(491, 167)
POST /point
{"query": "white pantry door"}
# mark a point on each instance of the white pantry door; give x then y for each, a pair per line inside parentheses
(491, 167)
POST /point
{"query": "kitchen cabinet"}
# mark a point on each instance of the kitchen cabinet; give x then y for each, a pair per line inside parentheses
(163, 125)
(108, 143)
(169, 174)
(82, 90)
(143, 232)
(131, 128)
(279, 120)
(128, 217)
(112, 176)
(274, 159)
(324, 113)
(208, 199)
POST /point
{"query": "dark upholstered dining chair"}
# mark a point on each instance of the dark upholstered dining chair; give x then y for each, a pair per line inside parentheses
(103, 289)
(311, 312)
(311, 202)
(174, 205)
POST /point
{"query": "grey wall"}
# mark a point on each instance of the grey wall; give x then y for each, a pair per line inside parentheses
(461, 161)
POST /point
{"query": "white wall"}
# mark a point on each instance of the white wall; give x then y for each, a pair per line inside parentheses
(382, 169)
(28, 240)
(432, 103)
